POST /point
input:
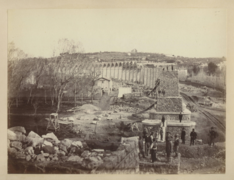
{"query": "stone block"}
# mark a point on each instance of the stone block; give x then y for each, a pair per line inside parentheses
(66, 142)
(51, 136)
(17, 145)
(19, 129)
(33, 135)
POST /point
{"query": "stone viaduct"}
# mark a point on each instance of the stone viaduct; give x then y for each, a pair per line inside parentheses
(133, 71)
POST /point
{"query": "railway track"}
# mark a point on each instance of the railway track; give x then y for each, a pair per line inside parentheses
(220, 124)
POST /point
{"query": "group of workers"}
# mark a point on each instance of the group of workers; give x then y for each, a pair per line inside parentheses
(172, 144)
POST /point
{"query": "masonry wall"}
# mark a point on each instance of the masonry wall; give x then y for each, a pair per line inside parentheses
(169, 105)
(125, 159)
(169, 82)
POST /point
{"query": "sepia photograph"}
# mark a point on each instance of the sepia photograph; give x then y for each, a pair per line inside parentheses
(116, 91)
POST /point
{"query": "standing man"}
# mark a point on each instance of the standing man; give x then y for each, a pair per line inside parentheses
(213, 135)
(176, 145)
(161, 133)
(183, 134)
(180, 116)
(193, 136)
(163, 120)
(168, 146)
(140, 143)
(148, 142)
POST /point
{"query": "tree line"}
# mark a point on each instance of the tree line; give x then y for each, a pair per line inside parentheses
(58, 75)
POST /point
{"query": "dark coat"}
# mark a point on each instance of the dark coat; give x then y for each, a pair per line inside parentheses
(169, 147)
(180, 117)
(193, 135)
(183, 134)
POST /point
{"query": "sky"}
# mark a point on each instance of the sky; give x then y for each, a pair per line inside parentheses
(179, 32)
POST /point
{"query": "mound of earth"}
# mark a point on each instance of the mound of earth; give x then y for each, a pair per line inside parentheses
(89, 108)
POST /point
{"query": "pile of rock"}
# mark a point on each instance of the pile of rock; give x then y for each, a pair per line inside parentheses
(35, 148)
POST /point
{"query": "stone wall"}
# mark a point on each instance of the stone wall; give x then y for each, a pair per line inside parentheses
(161, 167)
(124, 160)
(169, 82)
(169, 105)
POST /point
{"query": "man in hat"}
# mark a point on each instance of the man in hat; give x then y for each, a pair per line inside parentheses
(213, 135)
(183, 134)
(140, 143)
(176, 144)
(193, 136)
(168, 146)
(180, 116)
(148, 142)
(163, 120)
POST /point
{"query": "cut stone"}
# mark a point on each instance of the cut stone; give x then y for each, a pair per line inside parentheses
(18, 128)
(52, 136)
(66, 142)
(77, 144)
(33, 135)
(47, 143)
(17, 145)
(75, 159)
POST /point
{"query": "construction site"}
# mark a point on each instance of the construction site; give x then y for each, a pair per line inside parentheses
(102, 137)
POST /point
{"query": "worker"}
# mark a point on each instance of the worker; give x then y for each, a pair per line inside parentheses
(183, 134)
(213, 135)
(193, 136)
(148, 143)
(153, 150)
(161, 134)
(140, 143)
(168, 146)
(180, 116)
(163, 120)
(176, 144)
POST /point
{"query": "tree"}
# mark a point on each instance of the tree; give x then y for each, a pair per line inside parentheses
(196, 69)
(212, 67)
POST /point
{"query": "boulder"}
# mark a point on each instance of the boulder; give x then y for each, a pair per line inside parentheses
(51, 136)
(77, 144)
(28, 158)
(34, 141)
(66, 142)
(40, 157)
(98, 150)
(19, 129)
(46, 154)
(47, 143)
(33, 135)
(85, 154)
(48, 149)
(75, 159)
(61, 153)
(17, 145)
(55, 159)
(29, 150)
(62, 147)
(91, 162)
(15, 137)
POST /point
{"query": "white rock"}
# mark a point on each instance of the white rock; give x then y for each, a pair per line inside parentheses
(75, 159)
(34, 141)
(18, 128)
(98, 150)
(47, 143)
(29, 150)
(77, 144)
(33, 135)
(52, 136)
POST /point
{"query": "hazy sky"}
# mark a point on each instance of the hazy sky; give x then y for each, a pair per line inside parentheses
(183, 32)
